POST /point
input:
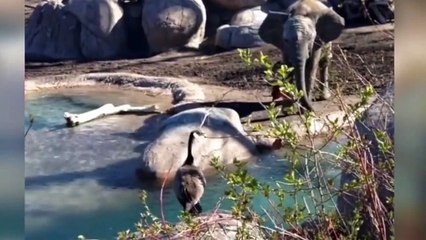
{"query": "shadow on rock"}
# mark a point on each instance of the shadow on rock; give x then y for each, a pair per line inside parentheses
(117, 175)
(244, 109)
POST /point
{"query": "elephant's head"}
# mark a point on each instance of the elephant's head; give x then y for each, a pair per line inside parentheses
(300, 30)
(303, 16)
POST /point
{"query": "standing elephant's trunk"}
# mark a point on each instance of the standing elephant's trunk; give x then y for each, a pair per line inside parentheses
(300, 78)
(302, 83)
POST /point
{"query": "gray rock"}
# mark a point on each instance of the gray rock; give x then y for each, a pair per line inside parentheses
(231, 37)
(218, 225)
(169, 150)
(173, 23)
(103, 32)
(52, 33)
(253, 16)
(238, 4)
(224, 226)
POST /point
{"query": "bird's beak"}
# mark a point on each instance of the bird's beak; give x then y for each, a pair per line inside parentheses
(201, 133)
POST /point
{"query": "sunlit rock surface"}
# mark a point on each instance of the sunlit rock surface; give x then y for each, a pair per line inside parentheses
(232, 37)
(173, 23)
(253, 17)
(238, 4)
(103, 33)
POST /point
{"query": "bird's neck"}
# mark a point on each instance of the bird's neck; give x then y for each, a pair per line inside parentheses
(190, 159)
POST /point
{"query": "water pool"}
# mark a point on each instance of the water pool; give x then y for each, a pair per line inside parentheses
(80, 180)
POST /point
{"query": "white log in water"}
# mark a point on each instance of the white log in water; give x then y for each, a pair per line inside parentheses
(107, 109)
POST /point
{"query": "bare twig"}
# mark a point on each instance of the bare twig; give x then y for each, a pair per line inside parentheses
(29, 127)
(163, 220)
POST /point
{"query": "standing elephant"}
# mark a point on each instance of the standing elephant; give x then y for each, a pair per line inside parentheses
(302, 32)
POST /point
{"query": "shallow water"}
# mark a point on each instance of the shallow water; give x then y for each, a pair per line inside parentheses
(80, 180)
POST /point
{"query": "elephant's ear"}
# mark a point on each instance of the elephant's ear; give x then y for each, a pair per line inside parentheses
(329, 26)
(271, 30)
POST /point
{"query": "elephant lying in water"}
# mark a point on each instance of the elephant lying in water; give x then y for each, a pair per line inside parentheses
(303, 32)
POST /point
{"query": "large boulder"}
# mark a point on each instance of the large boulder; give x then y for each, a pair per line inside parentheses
(238, 4)
(169, 150)
(52, 33)
(253, 17)
(231, 37)
(172, 24)
(103, 32)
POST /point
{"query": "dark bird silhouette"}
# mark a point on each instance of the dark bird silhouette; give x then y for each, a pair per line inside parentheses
(189, 181)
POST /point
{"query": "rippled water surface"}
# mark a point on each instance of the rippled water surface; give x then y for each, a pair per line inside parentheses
(80, 180)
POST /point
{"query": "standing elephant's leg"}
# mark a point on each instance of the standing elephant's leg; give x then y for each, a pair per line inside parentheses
(311, 70)
(324, 63)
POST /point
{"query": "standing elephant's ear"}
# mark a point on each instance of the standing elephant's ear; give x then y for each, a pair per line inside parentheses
(271, 30)
(329, 26)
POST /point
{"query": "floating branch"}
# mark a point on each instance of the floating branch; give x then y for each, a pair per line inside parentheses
(105, 110)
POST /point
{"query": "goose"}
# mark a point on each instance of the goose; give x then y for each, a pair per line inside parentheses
(189, 181)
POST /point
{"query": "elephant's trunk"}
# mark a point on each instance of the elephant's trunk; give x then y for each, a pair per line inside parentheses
(301, 85)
